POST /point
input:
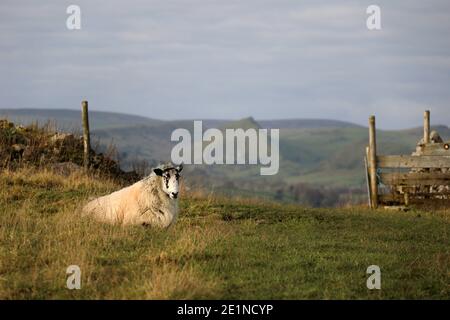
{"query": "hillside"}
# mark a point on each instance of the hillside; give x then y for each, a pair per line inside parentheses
(43, 147)
(245, 124)
(69, 118)
(219, 249)
(319, 158)
(306, 123)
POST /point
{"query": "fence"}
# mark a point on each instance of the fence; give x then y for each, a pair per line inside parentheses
(86, 134)
(422, 178)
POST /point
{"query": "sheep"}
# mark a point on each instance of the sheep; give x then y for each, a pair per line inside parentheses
(152, 201)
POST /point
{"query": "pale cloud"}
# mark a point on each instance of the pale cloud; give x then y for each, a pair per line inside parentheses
(229, 58)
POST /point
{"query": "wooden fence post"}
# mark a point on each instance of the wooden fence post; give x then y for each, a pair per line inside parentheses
(426, 126)
(86, 134)
(373, 162)
(366, 166)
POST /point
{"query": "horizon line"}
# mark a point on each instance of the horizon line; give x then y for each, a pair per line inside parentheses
(216, 119)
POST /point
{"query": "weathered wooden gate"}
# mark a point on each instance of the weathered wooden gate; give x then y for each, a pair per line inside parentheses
(421, 178)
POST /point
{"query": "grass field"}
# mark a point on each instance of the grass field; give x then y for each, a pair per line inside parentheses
(220, 248)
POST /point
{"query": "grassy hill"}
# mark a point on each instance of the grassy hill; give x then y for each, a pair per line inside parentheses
(67, 119)
(245, 124)
(324, 156)
(219, 249)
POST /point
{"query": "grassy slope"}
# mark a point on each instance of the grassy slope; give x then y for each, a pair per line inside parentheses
(70, 119)
(218, 248)
(319, 156)
(319, 152)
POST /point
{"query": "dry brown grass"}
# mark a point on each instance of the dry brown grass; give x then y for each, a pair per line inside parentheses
(41, 234)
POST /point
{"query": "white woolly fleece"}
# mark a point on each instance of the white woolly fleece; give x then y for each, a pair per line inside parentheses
(143, 203)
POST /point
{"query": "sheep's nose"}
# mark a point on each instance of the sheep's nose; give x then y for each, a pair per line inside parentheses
(174, 195)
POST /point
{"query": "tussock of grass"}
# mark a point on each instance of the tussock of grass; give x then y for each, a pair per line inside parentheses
(218, 249)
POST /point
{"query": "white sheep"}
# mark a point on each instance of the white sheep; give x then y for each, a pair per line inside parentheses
(150, 201)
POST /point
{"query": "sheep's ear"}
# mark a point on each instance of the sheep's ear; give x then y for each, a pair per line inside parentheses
(180, 167)
(158, 171)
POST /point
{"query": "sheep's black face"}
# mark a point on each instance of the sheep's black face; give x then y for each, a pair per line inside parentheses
(170, 180)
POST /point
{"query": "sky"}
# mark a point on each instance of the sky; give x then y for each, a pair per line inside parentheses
(198, 59)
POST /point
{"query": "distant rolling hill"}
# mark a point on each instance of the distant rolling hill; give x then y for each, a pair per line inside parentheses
(305, 123)
(70, 119)
(321, 153)
(104, 120)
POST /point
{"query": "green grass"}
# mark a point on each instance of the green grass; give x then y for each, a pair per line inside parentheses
(220, 248)
(290, 252)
